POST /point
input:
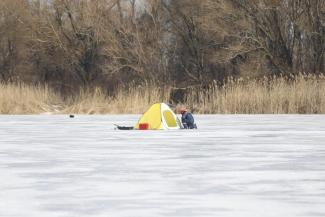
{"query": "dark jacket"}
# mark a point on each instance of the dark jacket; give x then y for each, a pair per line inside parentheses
(188, 120)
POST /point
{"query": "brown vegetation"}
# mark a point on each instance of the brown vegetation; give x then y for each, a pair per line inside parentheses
(302, 95)
(70, 44)
(115, 45)
(134, 100)
(23, 99)
(305, 94)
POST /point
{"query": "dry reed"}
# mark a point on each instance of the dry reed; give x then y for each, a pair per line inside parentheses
(24, 99)
(134, 100)
(302, 95)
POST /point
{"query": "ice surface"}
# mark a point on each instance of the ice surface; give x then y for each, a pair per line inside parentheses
(233, 166)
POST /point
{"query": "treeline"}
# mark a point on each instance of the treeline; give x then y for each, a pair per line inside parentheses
(73, 44)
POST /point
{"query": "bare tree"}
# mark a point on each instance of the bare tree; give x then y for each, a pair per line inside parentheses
(290, 33)
(12, 38)
(72, 44)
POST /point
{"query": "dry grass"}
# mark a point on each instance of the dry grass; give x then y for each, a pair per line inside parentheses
(134, 100)
(24, 99)
(303, 95)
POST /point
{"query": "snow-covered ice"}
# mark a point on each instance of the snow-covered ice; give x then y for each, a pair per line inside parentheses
(233, 166)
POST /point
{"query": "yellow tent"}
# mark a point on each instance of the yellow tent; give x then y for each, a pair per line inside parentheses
(158, 117)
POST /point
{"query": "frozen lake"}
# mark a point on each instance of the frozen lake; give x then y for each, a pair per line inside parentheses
(233, 166)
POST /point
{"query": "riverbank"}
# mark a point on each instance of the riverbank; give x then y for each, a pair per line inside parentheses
(302, 95)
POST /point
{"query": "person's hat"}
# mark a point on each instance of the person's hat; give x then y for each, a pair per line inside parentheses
(183, 109)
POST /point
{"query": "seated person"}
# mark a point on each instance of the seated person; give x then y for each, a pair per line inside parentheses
(187, 119)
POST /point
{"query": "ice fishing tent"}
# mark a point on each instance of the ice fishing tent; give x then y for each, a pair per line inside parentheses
(158, 117)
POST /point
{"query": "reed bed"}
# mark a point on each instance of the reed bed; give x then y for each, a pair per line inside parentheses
(25, 99)
(134, 100)
(301, 95)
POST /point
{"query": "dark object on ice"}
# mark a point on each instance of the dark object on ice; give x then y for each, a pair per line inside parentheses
(124, 128)
(71, 116)
(187, 119)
